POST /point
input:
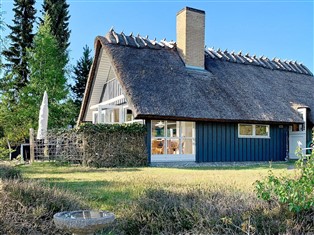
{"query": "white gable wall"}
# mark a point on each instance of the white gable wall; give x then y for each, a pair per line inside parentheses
(101, 76)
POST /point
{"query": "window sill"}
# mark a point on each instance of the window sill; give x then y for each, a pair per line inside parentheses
(253, 137)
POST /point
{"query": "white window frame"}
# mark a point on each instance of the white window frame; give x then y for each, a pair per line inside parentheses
(254, 131)
(125, 108)
(95, 119)
(180, 138)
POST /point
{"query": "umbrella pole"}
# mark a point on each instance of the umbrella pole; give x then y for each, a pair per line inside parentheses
(46, 150)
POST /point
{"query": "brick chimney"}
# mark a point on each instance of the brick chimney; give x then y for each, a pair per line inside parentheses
(191, 37)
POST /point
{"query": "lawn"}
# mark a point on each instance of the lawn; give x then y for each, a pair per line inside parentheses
(110, 188)
(151, 200)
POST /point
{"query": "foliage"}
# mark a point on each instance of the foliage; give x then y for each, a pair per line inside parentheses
(81, 71)
(297, 193)
(28, 207)
(2, 41)
(89, 128)
(47, 67)
(9, 172)
(16, 74)
(59, 13)
(4, 152)
(99, 145)
(21, 38)
(114, 145)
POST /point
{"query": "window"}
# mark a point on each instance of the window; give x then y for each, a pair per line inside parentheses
(128, 117)
(253, 131)
(111, 116)
(172, 137)
(95, 117)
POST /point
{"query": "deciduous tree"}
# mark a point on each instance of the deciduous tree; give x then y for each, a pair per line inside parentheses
(47, 66)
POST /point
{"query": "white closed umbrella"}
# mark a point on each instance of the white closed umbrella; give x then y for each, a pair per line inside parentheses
(43, 118)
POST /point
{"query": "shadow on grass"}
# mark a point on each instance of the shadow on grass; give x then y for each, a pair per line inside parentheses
(257, 166)
(57, 168)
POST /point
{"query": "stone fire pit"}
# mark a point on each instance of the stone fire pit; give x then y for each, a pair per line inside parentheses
(83, 222)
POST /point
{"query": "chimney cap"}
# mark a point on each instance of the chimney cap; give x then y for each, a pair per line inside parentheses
(191, 9)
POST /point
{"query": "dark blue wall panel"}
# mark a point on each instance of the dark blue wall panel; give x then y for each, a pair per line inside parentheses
(217, 142)
(148, 124)
(309, 133)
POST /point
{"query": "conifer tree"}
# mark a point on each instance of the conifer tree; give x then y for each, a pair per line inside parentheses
(59, 14)
(81, 71)
(20, 38)
(2, 27)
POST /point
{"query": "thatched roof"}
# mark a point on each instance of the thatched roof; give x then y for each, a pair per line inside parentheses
(233, 86)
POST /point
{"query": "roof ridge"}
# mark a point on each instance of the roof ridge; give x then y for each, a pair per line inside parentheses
(263, 61)
(137, 41)
(144, 42)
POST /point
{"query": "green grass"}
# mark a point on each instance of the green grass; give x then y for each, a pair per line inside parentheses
(113, 188)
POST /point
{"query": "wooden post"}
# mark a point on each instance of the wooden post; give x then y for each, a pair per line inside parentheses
(32, 145)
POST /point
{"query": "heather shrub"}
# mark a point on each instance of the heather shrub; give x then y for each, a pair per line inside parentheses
(28, 207)
(201, 211)
(9, 172)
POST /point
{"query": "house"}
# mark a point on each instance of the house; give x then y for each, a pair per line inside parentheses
(199, 104)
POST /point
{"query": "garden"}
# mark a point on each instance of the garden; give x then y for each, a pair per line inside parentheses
(151, 200)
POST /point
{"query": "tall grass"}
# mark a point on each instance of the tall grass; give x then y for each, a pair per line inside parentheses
(177, 201)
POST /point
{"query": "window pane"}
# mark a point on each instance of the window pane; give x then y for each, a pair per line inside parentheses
(172, 129)
(108, 116)
(246, 129)
(296, 127)
(173, 146)
(187, 129)
(158, 146)
(261, 130)
(158, 129)
(128, 115)
(102, 117)
(95, 118)
(116, 115)
(188, 146)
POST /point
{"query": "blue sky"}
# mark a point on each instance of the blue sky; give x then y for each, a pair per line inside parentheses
(282, 29)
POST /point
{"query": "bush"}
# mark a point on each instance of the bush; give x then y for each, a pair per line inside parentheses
(9, 172)
(100, 145)
(296, 193)
(114, 145)
(201, 211)
(28, 207)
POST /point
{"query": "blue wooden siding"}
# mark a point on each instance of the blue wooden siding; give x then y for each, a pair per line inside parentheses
(309, 132)
(148, 124)
(218, 142)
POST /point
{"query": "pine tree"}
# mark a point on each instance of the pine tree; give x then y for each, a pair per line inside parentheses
(81, 71)
(59, 14)
(21, 37)
(2, 27)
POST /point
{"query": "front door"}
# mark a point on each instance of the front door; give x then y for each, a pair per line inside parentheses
(297, 134)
